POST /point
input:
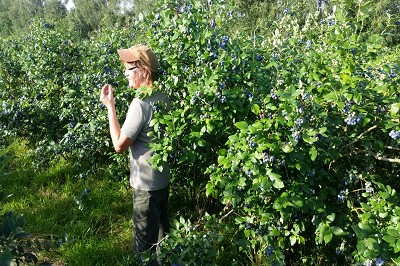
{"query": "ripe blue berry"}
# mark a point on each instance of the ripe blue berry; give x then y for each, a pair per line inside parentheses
(269, 250)
(394, 134)
(379, 262)
(352, 119)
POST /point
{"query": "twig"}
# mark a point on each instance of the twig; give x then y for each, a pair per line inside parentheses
(226, 215)
(382, 158)
(392, 148)
(358, 209)
(362, 134)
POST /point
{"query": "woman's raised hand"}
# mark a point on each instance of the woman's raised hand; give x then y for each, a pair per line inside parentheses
(106, 95)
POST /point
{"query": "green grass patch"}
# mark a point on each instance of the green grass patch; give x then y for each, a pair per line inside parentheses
(91, 217)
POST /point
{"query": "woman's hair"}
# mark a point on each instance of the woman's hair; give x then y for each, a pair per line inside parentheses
(139, 64)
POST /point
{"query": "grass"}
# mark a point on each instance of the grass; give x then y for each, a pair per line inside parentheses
(95, 228)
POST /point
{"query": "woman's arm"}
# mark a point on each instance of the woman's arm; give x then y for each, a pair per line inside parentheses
(120, 142)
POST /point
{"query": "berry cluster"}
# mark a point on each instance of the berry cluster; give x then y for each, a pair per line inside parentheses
(295, 134)
(223, 42)
(274, 95)
(269, 250)
(352, 119)
(343, 194)
(394, 134)
(267, 159)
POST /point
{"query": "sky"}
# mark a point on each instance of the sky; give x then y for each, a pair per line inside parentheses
(125, 5)
(70, 4)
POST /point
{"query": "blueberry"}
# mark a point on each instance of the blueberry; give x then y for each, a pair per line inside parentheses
(352, 119)
(379, 262)
(394, 134)
(269, 250)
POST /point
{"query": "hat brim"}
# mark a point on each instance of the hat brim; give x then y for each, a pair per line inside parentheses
(127, 56)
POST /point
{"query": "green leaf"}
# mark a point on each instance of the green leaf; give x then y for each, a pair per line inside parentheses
(344, 78)
(313, 153)
(21, 235)
(328, 236)
(240, 220)
(6, 258)
(393, 232)
(293, 239)
(287, 148)
(330, 97)
(242, 125)
(389, 239)
(278, 184)
(331, 217)
(255, 109)
(338, 231)
(370, 243)
(394, 108)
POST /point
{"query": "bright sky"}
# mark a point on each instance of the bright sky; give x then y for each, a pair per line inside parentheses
(125, 5)
(69, 4)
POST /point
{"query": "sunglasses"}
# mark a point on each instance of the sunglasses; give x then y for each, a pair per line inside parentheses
(131, 68)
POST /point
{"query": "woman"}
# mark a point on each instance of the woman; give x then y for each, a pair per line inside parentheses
(150, 186)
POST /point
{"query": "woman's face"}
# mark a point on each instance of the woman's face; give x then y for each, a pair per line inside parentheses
(137, 76)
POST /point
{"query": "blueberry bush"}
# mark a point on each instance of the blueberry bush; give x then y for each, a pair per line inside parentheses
(284, 140)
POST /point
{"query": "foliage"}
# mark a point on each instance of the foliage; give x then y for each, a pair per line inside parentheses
(269, 119)
(288, 137)
(51, 94)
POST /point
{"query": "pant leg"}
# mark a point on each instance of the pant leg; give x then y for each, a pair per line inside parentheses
(150, 218)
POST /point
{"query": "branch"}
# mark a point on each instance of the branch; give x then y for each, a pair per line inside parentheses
(392, 148)
(382, 158)
(362, 134)
(226, 215)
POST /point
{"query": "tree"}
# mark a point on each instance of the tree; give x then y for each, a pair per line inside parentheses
(54, 10)
(5, 21)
